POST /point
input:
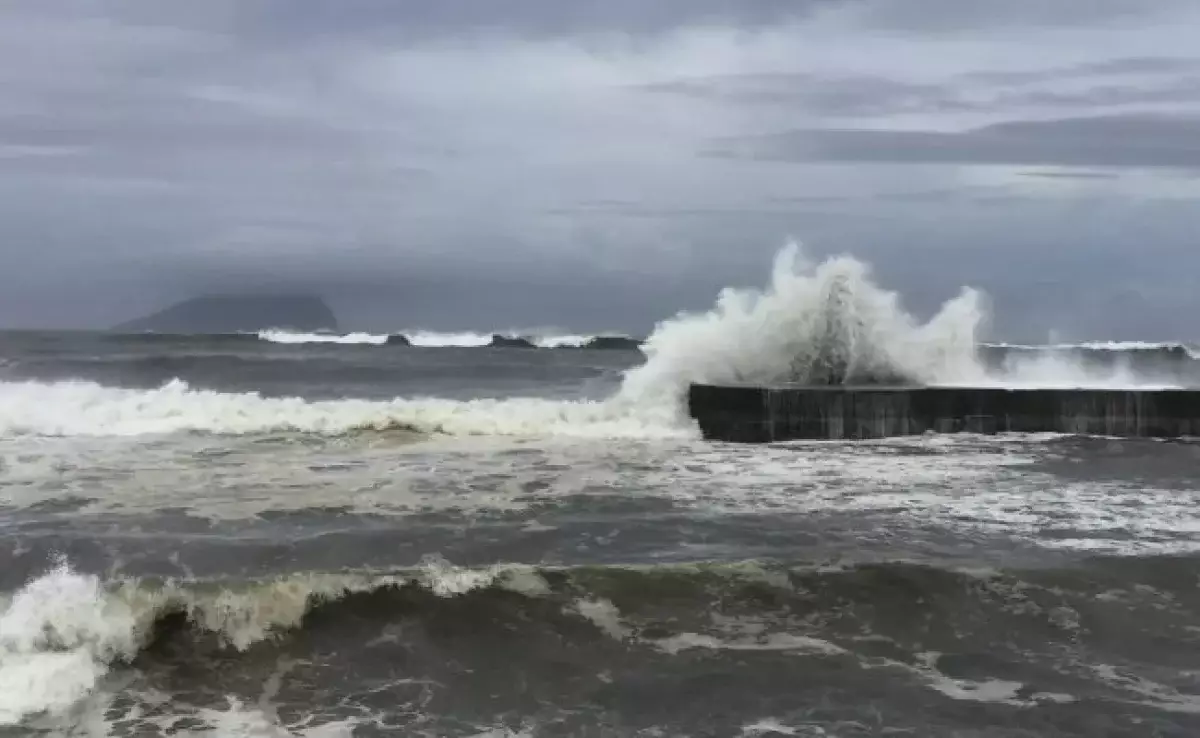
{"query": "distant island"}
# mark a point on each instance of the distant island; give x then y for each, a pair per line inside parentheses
(237, 313)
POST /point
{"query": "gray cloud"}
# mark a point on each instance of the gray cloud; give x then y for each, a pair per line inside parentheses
(288, 22)
(1136, 65)
(852, 95)
(472, 163)
(1105, 141)
(953, 16)
(1154, 81)
(1076, 174)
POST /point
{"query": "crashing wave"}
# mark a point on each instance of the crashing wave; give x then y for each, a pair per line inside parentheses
(824, 324)
(62, 632)
(90, 409)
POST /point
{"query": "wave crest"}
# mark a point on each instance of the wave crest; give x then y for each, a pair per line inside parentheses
(287, 337)
(89, 409)
(453, 339)
(62, 632)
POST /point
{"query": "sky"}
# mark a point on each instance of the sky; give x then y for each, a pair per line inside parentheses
(600, 165)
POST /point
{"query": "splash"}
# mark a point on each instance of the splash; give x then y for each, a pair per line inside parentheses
(830, 323)
(823, 324)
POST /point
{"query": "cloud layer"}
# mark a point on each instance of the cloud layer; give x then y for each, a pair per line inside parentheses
(598, 165)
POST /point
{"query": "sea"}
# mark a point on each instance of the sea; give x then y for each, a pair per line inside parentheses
(324, 535)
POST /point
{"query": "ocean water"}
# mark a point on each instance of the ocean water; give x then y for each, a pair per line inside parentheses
(281, 534)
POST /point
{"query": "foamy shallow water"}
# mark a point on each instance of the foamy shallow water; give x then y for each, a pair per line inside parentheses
(395, 473)
(246, 535)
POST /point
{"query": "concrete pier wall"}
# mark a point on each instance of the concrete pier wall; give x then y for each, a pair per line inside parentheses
(763, 414)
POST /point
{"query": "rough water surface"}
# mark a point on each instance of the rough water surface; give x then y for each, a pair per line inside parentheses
(239, 536)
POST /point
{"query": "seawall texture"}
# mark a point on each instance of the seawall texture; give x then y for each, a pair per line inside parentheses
(749, 414)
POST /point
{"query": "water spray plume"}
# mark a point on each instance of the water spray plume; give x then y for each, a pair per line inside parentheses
(815, 324)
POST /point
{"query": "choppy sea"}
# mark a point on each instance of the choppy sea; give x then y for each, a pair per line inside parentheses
(237, 536)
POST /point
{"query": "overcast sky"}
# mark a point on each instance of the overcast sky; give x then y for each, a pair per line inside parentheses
(599, 165)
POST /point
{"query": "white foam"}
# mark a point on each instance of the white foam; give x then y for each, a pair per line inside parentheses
(988, 690)
(604, 615)
(995, 691)
(805, 319)
(767, 726)
(786, 642)
(288, 337)
(1047, 369)
(60, 634)
(736, 634)
(565, 341)
(503, 733)
(240, 721)
(1149, 692)
(445, 579)
(208, 476)
(89, 409)
(57, 637)
(1107, 346)
(439, 339)
(542, 338)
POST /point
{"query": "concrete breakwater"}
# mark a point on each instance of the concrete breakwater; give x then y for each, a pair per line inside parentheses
(758, 414)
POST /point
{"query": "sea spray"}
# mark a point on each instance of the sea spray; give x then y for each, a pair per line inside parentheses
(823, 324)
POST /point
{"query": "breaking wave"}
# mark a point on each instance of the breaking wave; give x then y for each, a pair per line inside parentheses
(453, 339)
(64, 631)
(280, 336)
(469, 339)
(89, 409)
